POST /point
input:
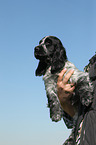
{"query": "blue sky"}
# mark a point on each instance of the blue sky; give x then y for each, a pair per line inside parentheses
(24, 117)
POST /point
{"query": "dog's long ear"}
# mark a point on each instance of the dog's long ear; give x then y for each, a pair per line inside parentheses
(41, 68)
(58, 59)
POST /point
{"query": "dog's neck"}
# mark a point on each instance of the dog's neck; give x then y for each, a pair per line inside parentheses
(48, 72)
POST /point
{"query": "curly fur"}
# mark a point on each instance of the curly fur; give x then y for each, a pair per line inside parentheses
(52, 59)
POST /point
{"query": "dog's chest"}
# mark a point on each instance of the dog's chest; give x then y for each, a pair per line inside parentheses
(50, 81)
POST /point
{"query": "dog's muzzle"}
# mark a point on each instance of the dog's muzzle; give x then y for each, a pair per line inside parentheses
(36, 52)
(40, 53)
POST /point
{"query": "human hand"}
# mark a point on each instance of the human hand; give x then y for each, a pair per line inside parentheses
(65, 90)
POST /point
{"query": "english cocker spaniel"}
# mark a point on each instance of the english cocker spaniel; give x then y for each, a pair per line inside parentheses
(52, 59)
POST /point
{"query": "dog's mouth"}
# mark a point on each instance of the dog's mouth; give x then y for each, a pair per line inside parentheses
(40, 56)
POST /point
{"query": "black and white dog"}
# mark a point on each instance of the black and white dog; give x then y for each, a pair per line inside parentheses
(52, 59)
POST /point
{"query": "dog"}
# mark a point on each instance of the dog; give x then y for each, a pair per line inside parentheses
(52, 59)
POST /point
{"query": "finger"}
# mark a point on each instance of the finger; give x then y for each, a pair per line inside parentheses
(61, 74)
(71, 89)
(67, 87)
(72, 85)
(67, 76)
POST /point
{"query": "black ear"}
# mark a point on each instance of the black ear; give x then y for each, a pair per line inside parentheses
(59, 58)
(41, 68)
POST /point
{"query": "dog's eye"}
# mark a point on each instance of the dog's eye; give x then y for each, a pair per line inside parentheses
(48, 42)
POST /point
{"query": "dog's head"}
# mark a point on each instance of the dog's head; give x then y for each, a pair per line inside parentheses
(50, 52)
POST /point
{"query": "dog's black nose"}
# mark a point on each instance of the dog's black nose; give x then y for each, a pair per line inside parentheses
(36, 49)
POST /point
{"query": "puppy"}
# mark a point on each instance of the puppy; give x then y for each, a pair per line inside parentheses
(52, 59)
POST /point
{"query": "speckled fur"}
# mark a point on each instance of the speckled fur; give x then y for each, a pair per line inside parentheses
(79, 78)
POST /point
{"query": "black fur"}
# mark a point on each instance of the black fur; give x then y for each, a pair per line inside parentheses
(54, 57)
